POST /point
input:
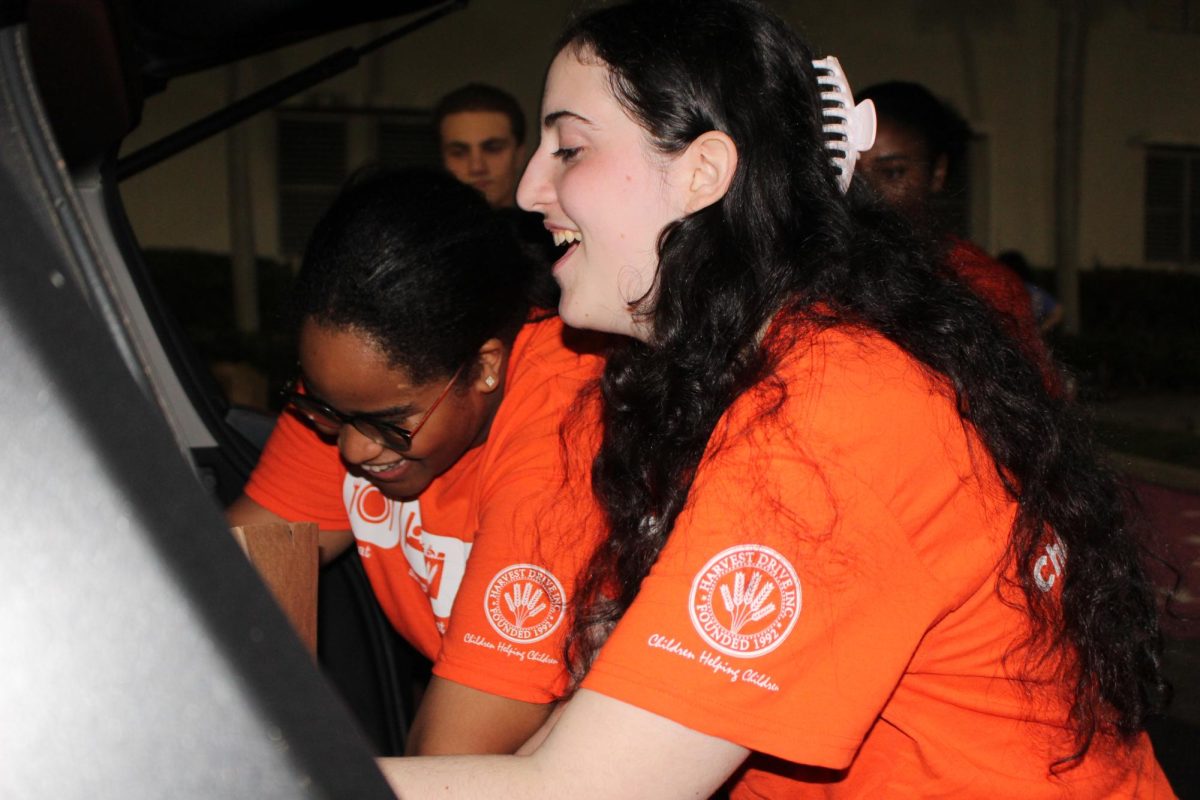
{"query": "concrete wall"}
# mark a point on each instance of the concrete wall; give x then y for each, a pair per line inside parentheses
(994, 59)
(1143, 88)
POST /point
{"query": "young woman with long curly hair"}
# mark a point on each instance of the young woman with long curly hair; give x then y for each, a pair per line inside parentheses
(854, 547)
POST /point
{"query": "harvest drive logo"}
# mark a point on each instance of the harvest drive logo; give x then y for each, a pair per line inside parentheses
(745, 600)
(524, 603)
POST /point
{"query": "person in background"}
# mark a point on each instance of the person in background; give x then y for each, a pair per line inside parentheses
(425, 430)
(1047, 311)
(920, 141)
(481, 136)
(840, 558)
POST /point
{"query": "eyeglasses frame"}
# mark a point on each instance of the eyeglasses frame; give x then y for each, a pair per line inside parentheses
(378, 431)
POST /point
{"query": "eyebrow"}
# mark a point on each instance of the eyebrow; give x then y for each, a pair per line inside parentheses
(555, 116)
(406, 410)
(489, 141)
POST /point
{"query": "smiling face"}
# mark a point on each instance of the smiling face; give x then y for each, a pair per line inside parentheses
(479, 148)
(345, 370)
(604, 191)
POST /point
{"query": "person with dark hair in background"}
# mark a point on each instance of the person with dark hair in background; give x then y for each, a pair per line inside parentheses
(481, 136)
(854, 546)
(921, 141)
(425, 428)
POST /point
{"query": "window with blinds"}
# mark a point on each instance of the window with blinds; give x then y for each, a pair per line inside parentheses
(318, 149)
(407, 143)
(311, 166)
(1172, 220)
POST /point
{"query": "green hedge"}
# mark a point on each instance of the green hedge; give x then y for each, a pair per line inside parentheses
(1141, 328)
(1140, 332)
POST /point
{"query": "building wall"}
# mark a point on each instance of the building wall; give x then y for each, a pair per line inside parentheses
(995, 61)
(182, 202)
(1143, 88)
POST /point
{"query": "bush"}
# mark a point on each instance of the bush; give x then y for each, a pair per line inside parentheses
(1141, 328)
(1140, 332)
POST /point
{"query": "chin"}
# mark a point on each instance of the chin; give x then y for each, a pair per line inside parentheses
(583, 321)
(568, 316)
(402, 490)
(575, 316)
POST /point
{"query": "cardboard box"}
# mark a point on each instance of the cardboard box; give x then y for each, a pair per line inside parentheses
(287, 558)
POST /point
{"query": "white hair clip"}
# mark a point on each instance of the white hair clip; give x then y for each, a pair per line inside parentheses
(849, 128)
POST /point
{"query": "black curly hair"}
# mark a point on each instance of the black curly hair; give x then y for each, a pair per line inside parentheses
(785, 241)
(422, 266)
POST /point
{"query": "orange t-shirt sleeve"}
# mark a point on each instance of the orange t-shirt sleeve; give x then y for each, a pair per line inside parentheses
(1004, 291)
(789, 600)
(299, 477)
(505, 635)
(746, 631)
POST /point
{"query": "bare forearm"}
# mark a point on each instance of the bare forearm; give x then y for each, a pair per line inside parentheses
(535, 741)
(464, 777)
(455, 719)
(599, 748)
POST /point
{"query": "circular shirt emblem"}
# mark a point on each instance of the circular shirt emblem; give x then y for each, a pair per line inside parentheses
(524, 603)
(745, 600)
(372, 506)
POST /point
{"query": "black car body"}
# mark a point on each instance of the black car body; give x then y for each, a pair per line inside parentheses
(141, 654)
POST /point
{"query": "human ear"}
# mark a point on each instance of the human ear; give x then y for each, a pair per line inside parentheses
(492, 359)
(937, 178)
(709, 163)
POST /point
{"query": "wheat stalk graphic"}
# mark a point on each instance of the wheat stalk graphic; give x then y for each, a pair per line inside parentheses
(745, 602)
(524, 601)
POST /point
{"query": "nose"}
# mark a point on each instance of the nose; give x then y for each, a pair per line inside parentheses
(535, 192)
(476, 162)
(356, 448)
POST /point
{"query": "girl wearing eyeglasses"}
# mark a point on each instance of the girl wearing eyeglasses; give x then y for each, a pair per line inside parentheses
(854, 547)
(425, 427)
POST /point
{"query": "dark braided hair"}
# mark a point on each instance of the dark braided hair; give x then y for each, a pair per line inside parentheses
(785, 243)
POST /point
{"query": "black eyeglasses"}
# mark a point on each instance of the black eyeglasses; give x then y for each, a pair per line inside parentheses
(329, 420)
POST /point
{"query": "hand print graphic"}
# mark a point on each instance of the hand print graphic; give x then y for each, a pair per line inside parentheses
(745, 601)
(743, 604)
(524, 603)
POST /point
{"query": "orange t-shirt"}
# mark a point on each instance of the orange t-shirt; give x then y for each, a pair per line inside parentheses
(475, 572)
(1002, 288)
(994, 282)
(828, 599)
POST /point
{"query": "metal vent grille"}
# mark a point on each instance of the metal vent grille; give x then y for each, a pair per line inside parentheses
(312, 158)
(408, 144)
